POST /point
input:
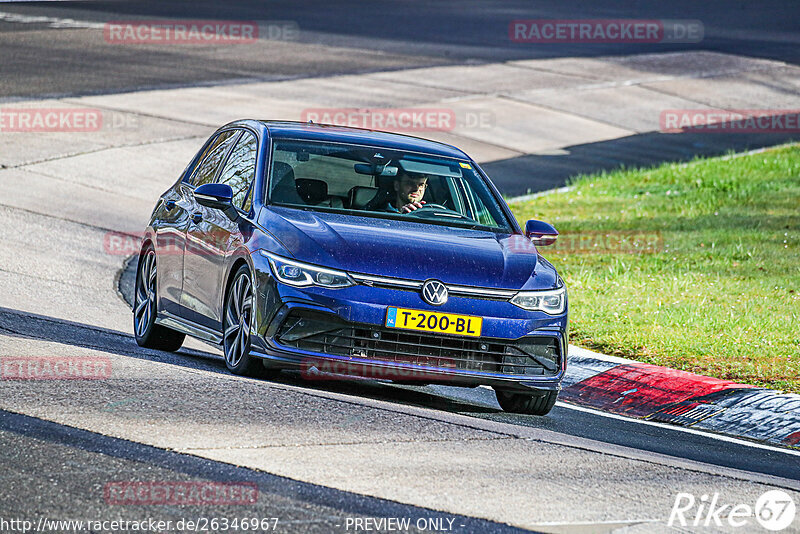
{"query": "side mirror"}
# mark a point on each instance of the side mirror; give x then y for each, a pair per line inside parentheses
(540, 233)
(218, 196)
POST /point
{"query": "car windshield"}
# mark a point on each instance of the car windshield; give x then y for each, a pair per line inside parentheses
(379, 182)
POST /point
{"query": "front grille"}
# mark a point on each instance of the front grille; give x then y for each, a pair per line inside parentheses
(416, 285)
(317, 332)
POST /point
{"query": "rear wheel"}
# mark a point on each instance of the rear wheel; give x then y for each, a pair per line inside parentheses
(525, 403)
(148, 334)
(236, 326)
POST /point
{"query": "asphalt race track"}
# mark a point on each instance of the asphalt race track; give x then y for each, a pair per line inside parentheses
(351, 37)
(319, 454)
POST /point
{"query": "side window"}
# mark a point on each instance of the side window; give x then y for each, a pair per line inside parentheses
(240, 170)
(215, 154)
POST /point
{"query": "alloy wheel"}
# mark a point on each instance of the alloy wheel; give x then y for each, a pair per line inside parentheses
(238, 314)
(144, 313)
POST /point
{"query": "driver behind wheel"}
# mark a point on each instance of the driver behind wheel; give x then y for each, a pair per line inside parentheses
(407, 192)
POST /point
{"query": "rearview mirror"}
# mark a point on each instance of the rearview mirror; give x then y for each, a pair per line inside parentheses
(540, 233)
(375, 169)
(217, 196)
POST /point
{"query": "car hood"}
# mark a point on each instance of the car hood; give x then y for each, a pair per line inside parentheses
(410, 250)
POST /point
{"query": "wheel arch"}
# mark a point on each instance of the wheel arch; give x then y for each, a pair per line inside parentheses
(148, 238)
(146, 242)
(241, 258)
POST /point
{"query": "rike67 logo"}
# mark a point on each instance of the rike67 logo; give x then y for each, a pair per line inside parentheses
(774, 510)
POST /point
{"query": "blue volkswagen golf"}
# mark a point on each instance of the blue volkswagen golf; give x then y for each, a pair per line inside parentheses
(341, 251)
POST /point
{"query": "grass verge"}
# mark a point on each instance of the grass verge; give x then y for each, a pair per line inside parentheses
(692, 266)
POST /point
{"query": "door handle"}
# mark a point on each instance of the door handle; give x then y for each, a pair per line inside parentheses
(197, 217)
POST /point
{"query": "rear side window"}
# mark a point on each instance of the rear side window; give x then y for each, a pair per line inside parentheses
(215, 154)
(477, 208)
(240, 170)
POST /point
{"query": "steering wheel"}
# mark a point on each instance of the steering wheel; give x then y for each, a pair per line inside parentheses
(431, 206)
(426, 211)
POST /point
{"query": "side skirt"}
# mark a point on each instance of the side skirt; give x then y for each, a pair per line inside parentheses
(188, 327)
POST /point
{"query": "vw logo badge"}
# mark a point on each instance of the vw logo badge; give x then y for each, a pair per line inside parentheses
(434, 292)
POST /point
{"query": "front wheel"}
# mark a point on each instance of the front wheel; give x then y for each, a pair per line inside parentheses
(236, 325)
(525, 403)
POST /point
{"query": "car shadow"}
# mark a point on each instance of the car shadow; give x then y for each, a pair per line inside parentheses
(419, 396)
(27, 325)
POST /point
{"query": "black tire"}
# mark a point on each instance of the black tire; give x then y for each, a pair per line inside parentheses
(525, 403)
(237, 320)
(148, 334)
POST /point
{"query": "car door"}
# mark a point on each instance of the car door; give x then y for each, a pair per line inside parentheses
(216, 236)
(197, 225)
(170, 224)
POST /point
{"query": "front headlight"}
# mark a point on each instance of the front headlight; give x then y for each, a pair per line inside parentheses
(299, 274)
(552, 301)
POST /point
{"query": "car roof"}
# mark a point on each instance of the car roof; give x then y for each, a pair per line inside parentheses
(344, 134)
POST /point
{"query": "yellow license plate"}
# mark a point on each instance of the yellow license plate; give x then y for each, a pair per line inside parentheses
(442, 323)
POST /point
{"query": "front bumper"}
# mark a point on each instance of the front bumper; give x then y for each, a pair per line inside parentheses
(344, 333)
